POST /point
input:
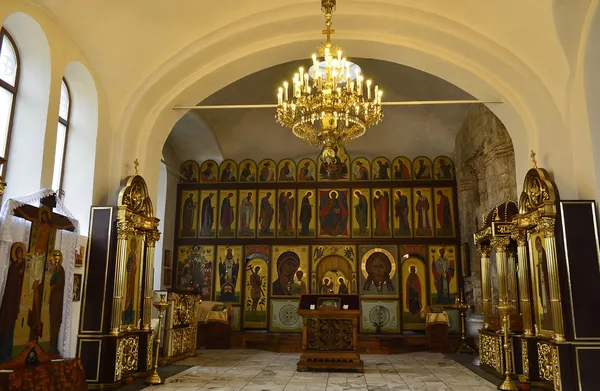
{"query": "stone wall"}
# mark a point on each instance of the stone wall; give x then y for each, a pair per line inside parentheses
(485, 173)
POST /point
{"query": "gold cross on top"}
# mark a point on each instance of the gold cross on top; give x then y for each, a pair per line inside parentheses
(328, 31)
(136, 164)
(532, 156)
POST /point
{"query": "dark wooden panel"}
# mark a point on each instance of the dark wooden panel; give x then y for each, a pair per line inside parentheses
(109, 355)
(96, 270)
(580, 250)
(568, 367)
(517, 354)
(143, 352)
(587, 367)
(89, 353)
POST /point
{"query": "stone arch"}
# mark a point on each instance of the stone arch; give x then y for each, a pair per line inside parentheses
(493, 71)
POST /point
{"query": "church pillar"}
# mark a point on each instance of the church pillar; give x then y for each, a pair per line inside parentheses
(151, 239)
(124, 228)
(500, 244)
(486, 283)
(547, 227)
(524, 279)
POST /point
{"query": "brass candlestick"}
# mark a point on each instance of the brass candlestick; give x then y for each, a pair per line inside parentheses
(508, 384)
(461, 306)
(161, 306)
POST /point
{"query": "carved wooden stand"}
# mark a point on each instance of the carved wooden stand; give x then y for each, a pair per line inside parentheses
(330, 340)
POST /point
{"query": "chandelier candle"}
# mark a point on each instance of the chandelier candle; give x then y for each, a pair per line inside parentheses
(325, 108)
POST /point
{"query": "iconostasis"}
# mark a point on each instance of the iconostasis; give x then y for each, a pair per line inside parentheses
(260, 235)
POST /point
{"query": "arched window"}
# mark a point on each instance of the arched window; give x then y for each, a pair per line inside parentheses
(9, 82)
(61, 135)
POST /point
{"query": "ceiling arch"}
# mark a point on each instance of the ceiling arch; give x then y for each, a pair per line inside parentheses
(484, 74)
(488, 50)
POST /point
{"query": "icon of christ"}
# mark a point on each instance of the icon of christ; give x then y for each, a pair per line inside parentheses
(333, 212)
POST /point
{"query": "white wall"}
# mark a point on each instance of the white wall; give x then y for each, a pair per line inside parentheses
(161, 202)
(166, 211)
(80, 156)
(26, 151)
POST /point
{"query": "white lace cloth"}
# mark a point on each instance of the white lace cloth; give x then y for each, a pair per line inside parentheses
(15, 229)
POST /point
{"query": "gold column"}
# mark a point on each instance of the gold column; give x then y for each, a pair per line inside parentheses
(486, 286)
(512, 281)
(124, 228)
(151, 239)
(525, 306)
(547, 226)
(500, 244)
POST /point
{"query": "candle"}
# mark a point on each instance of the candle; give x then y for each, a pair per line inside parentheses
(376, 92)
(280, 96)
(301, 74)
(285, 91)
(306, 81)
(339, 55)
(379, 94)
(369, 89)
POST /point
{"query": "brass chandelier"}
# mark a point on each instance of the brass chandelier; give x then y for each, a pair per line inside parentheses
(330, 104)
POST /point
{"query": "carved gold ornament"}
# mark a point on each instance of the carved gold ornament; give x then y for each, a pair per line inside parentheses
(130, 353)
(484, 250)
(149, 351)
(500, 243)
(556, 367)
(188, 339)
(490, 351)
(538, 192)
(119, 360)
(519, 236)
(547, 225)
(134, 195)
(183, 308)
(525, 357)
(177, 341)
(545, 362)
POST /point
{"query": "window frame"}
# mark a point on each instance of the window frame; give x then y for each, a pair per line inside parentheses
(65, 123)
(14, 91)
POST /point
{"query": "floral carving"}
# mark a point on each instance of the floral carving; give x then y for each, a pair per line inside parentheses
(545, 364)
(329, 334)
(130, 353)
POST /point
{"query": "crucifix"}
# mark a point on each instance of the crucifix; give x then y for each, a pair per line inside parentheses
(42, 237)
(328, 31)
(532, 156)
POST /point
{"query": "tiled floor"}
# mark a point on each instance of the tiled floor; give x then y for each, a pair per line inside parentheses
(253, 370)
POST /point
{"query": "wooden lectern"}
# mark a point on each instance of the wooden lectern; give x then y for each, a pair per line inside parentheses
(330, 332)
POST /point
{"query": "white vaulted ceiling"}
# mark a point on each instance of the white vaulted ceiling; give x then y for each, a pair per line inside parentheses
(253, 133)
(130, 41)
(148, 55)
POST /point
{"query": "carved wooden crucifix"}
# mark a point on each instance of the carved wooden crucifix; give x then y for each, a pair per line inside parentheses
(42, 237)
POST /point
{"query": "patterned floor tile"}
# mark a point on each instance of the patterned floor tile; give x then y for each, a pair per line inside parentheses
(253, 370)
